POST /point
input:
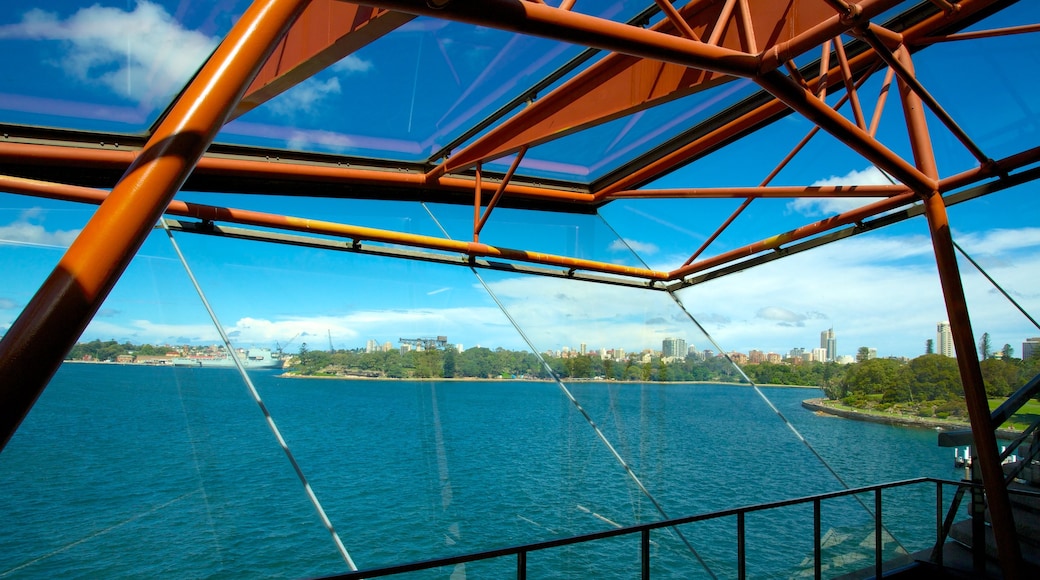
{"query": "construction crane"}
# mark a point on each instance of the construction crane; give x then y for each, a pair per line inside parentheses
(426, 342)
(279, 348)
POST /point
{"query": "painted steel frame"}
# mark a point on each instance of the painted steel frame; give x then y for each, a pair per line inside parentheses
(240, 75)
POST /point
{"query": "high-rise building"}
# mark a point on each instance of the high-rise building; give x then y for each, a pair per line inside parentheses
(829, 343)
(944, 339)
(673, 348)
(1030, 347)
(819, 354)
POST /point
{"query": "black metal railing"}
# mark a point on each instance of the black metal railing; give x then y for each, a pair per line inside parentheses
(521, 552)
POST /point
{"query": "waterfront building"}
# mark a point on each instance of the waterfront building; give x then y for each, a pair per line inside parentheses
(756, 356)
(819, 355)
(944, 339)
(773, 358)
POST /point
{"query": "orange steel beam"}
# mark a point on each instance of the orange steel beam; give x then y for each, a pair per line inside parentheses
(976, 34)
(879, 107)
(712, 139)
(769, 178)
(805, 231)
(676, 19)
(829, 120)
(747, 27)
(34, 345)
(837, 191)
(622, 84)
(982, 427)
(725, 132)
(952, 183)
(64, 192)
(870, 34)
(231, 215)
(223, 166)
(498, 193)
(326, 32)
(581, 29)
(720, 23)
(476, 204)
(850, 86)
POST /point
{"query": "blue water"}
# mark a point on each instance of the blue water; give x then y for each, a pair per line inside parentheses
(123, 471)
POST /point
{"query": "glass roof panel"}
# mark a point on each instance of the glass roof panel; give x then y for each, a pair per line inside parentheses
(411, 92)
(111, 66)
(590, 154)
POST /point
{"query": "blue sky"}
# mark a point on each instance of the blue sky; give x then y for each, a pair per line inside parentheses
(114, 65)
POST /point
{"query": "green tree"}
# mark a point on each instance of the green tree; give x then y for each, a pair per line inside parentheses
(449, 363)
(662, 372)
(1007, 351)
(985, 351)
(876, 376)
(1000, 376)
(580, 367)
(429, 364)
(935, 377)
(862, 354)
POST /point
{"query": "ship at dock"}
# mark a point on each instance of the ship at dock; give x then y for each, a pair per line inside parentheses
(253, 358)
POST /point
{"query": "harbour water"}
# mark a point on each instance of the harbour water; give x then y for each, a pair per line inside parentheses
(127, 471)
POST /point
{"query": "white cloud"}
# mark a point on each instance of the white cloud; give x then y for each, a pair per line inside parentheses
(640, 248)
(998, 241)
(143, 54)
(875, 290)
(24, 232)
(303, 140)
(351, 64)
(827, 206)
(304, 97)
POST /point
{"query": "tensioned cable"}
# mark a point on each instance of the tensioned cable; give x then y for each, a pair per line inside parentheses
(995, 285)
(758, 390)
(260, 403)
(574, 401)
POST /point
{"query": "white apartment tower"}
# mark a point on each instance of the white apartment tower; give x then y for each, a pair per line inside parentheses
(830, 344)
(944, 339)
(673, 347)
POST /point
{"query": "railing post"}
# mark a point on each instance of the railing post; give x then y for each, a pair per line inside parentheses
(940, 537)
(645, 553)
(879, 543)
(817, 548)
(521, 565)
(741, 555)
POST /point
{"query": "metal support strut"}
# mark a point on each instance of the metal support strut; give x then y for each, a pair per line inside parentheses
(34, 346)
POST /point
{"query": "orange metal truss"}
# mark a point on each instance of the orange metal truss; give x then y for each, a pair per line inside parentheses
(279, 43)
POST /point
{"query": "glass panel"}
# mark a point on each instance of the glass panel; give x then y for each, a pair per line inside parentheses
(107, 68)
(407, 95)
(592, 153)
(34, 234)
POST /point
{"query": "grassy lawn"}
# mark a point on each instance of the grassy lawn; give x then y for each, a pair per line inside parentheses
(1025, 417)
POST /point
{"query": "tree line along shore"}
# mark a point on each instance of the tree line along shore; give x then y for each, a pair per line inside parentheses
(926, 387)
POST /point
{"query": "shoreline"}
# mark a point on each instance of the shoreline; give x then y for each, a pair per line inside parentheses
(290, 375)
(827, 407)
